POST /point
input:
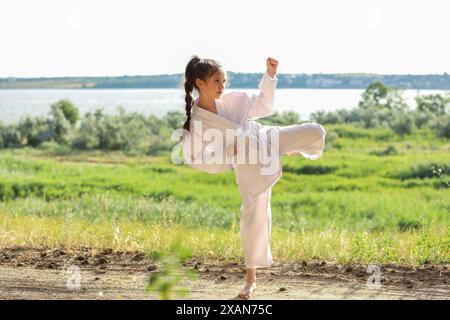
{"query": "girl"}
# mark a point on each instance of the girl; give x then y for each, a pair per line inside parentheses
(216, 111)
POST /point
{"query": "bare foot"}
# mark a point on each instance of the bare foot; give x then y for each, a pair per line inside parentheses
(247, 291)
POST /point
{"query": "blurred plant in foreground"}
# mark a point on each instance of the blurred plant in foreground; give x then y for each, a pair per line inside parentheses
(170, 272)
(438, 171)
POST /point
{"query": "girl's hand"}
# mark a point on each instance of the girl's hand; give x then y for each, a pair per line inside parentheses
(272, 66)
(232, 150)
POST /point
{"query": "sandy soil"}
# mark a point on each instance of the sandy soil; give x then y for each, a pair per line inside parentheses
(42, 273)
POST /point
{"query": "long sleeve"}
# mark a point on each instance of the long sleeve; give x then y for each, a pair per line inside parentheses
(202, 160)
(263, 104)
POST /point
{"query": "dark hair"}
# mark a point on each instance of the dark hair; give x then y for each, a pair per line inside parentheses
(197, 69)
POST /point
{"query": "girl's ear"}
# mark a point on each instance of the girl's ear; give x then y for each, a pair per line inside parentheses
(199, 83)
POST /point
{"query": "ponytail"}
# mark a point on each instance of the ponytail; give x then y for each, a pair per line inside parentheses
(189, 88)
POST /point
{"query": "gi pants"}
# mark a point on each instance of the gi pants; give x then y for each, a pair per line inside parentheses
(307, 139)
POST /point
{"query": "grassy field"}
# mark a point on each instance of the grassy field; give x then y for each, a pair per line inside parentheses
(371, 198)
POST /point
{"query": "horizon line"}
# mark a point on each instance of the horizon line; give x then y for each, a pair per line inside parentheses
(444, 73)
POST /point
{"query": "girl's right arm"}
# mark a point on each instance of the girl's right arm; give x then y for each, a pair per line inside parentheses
(203, 160)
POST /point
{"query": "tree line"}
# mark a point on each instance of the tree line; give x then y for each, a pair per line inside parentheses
(380, 106)
(236, 80)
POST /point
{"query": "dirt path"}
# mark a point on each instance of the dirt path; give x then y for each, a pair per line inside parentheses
(31, 273)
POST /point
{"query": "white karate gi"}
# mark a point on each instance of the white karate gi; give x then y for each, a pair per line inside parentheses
(238, 110)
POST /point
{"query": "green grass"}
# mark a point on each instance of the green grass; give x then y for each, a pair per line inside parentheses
(372, 197)
(404, 248)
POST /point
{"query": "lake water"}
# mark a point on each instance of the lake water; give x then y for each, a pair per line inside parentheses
(17, 103)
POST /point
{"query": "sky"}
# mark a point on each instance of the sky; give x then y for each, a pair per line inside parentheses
(49, 38)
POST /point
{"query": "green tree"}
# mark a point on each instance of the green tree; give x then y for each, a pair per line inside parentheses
(281, 119)
(174, 119)
(442, 126)
(36, 131)
(381, 106)
(403, 123)
(436, 104)
(10, 137)
(60, 125)
(374, 94)
(69, 110)
(87, 136)
(430, 110)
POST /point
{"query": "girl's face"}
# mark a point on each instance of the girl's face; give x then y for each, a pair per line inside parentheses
(212, 87)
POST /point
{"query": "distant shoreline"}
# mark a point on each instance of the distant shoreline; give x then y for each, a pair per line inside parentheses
(237, 81)
(231, 88)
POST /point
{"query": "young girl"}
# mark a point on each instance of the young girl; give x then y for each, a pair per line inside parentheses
(215, 110)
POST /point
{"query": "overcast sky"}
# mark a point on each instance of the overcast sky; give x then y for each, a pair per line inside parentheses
(106, 38)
